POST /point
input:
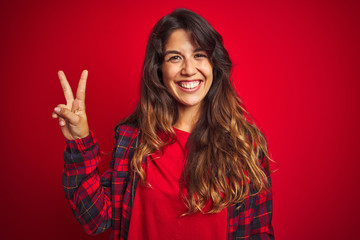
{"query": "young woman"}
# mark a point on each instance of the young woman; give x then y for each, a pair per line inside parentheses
(188, 163)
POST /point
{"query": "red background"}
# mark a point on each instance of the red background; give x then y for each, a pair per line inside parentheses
(296, 67)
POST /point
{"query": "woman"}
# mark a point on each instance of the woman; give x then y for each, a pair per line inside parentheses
(188, 163)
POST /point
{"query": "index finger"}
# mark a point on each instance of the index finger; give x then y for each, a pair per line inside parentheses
(66, 88)
(80, 93)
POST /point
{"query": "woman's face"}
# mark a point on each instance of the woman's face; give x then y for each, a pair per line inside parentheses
(187, 71)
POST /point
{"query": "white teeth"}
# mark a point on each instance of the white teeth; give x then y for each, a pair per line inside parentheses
(189, 85)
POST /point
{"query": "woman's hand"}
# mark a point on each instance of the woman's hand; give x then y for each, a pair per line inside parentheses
(72, 116)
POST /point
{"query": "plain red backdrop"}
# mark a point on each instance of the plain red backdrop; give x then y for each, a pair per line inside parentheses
(296, 67)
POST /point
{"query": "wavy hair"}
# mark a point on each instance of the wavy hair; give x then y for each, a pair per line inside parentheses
(227, 154)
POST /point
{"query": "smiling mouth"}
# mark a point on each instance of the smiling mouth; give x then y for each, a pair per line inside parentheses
(189, 84)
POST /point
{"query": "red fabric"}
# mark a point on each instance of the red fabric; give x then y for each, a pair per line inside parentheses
(101, 203)
(157, 210)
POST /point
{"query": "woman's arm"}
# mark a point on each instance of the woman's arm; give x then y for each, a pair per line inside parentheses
(261, 227)
(88, 195)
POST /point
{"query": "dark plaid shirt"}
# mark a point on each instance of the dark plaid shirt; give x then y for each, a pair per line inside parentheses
(103, 202)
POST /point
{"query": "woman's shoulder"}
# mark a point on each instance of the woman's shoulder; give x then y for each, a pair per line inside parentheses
(127, 129)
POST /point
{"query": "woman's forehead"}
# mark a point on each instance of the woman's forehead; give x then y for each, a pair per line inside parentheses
(180, 39)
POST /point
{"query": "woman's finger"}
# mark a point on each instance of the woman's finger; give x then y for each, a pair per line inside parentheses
(66, 114)
(62, 122)
(80, 93)
(58, 107)
(66, 88)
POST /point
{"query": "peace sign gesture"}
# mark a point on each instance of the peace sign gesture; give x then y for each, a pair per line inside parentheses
(72, 116)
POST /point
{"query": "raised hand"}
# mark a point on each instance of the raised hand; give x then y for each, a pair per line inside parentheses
(72, 116)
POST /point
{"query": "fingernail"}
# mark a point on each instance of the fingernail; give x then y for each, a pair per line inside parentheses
(57, 109)
(62, 123)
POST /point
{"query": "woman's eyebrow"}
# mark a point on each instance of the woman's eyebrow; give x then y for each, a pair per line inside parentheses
(177, 52)
(172, 52)
(199, 49)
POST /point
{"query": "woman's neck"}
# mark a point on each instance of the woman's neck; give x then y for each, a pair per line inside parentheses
(187, 118)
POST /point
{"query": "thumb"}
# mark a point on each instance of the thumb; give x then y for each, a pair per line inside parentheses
(67, 115)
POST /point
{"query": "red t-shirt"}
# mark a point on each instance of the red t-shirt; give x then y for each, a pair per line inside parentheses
(157, 210)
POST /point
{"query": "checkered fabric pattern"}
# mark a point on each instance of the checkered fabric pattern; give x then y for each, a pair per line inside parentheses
(103, 202)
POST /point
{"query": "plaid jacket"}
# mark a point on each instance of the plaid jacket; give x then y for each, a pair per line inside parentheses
(103, 202)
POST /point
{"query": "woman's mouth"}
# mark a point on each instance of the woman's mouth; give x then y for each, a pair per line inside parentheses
(189, 85)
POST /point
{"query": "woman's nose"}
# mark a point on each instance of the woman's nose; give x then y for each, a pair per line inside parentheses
(188, 68)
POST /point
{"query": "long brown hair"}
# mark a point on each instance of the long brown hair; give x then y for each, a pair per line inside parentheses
(226, 151)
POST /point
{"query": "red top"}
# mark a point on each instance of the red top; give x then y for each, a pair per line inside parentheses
(157, 210)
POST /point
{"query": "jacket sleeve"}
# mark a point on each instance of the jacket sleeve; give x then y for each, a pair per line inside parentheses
(88, 194)
(261, 227)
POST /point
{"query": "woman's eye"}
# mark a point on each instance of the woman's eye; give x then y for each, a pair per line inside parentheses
(199, 55)
(174, 58)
